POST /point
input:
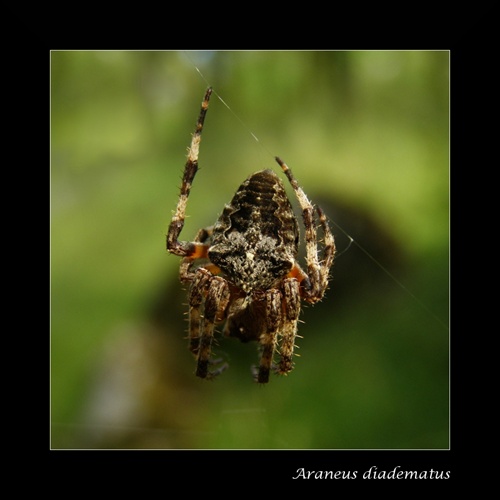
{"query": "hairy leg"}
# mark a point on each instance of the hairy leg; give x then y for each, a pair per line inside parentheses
(317, 272)
(291, 301)
(268, 339)
(215, 305)
(191, 167)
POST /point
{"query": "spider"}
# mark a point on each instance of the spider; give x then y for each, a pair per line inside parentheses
(243, 270)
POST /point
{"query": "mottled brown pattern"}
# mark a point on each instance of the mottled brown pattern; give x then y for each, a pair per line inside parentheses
(243, 271)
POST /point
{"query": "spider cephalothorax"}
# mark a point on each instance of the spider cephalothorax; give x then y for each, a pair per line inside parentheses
(243, 270)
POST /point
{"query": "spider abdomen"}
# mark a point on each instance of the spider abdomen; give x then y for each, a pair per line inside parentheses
(255, 240)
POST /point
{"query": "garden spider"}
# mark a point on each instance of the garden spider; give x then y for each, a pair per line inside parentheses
(243, 270)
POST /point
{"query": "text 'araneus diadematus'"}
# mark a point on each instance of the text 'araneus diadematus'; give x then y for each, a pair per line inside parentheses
(243, 271)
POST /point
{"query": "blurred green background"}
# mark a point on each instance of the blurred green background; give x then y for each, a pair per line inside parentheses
(367, 136)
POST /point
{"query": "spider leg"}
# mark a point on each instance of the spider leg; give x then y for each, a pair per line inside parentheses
(268, 339)
(199, 288)
(329, 248)
(317, 272)
(201, 326)
(200, 251)
(291, 297)
(182, 248)
(216, 302)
